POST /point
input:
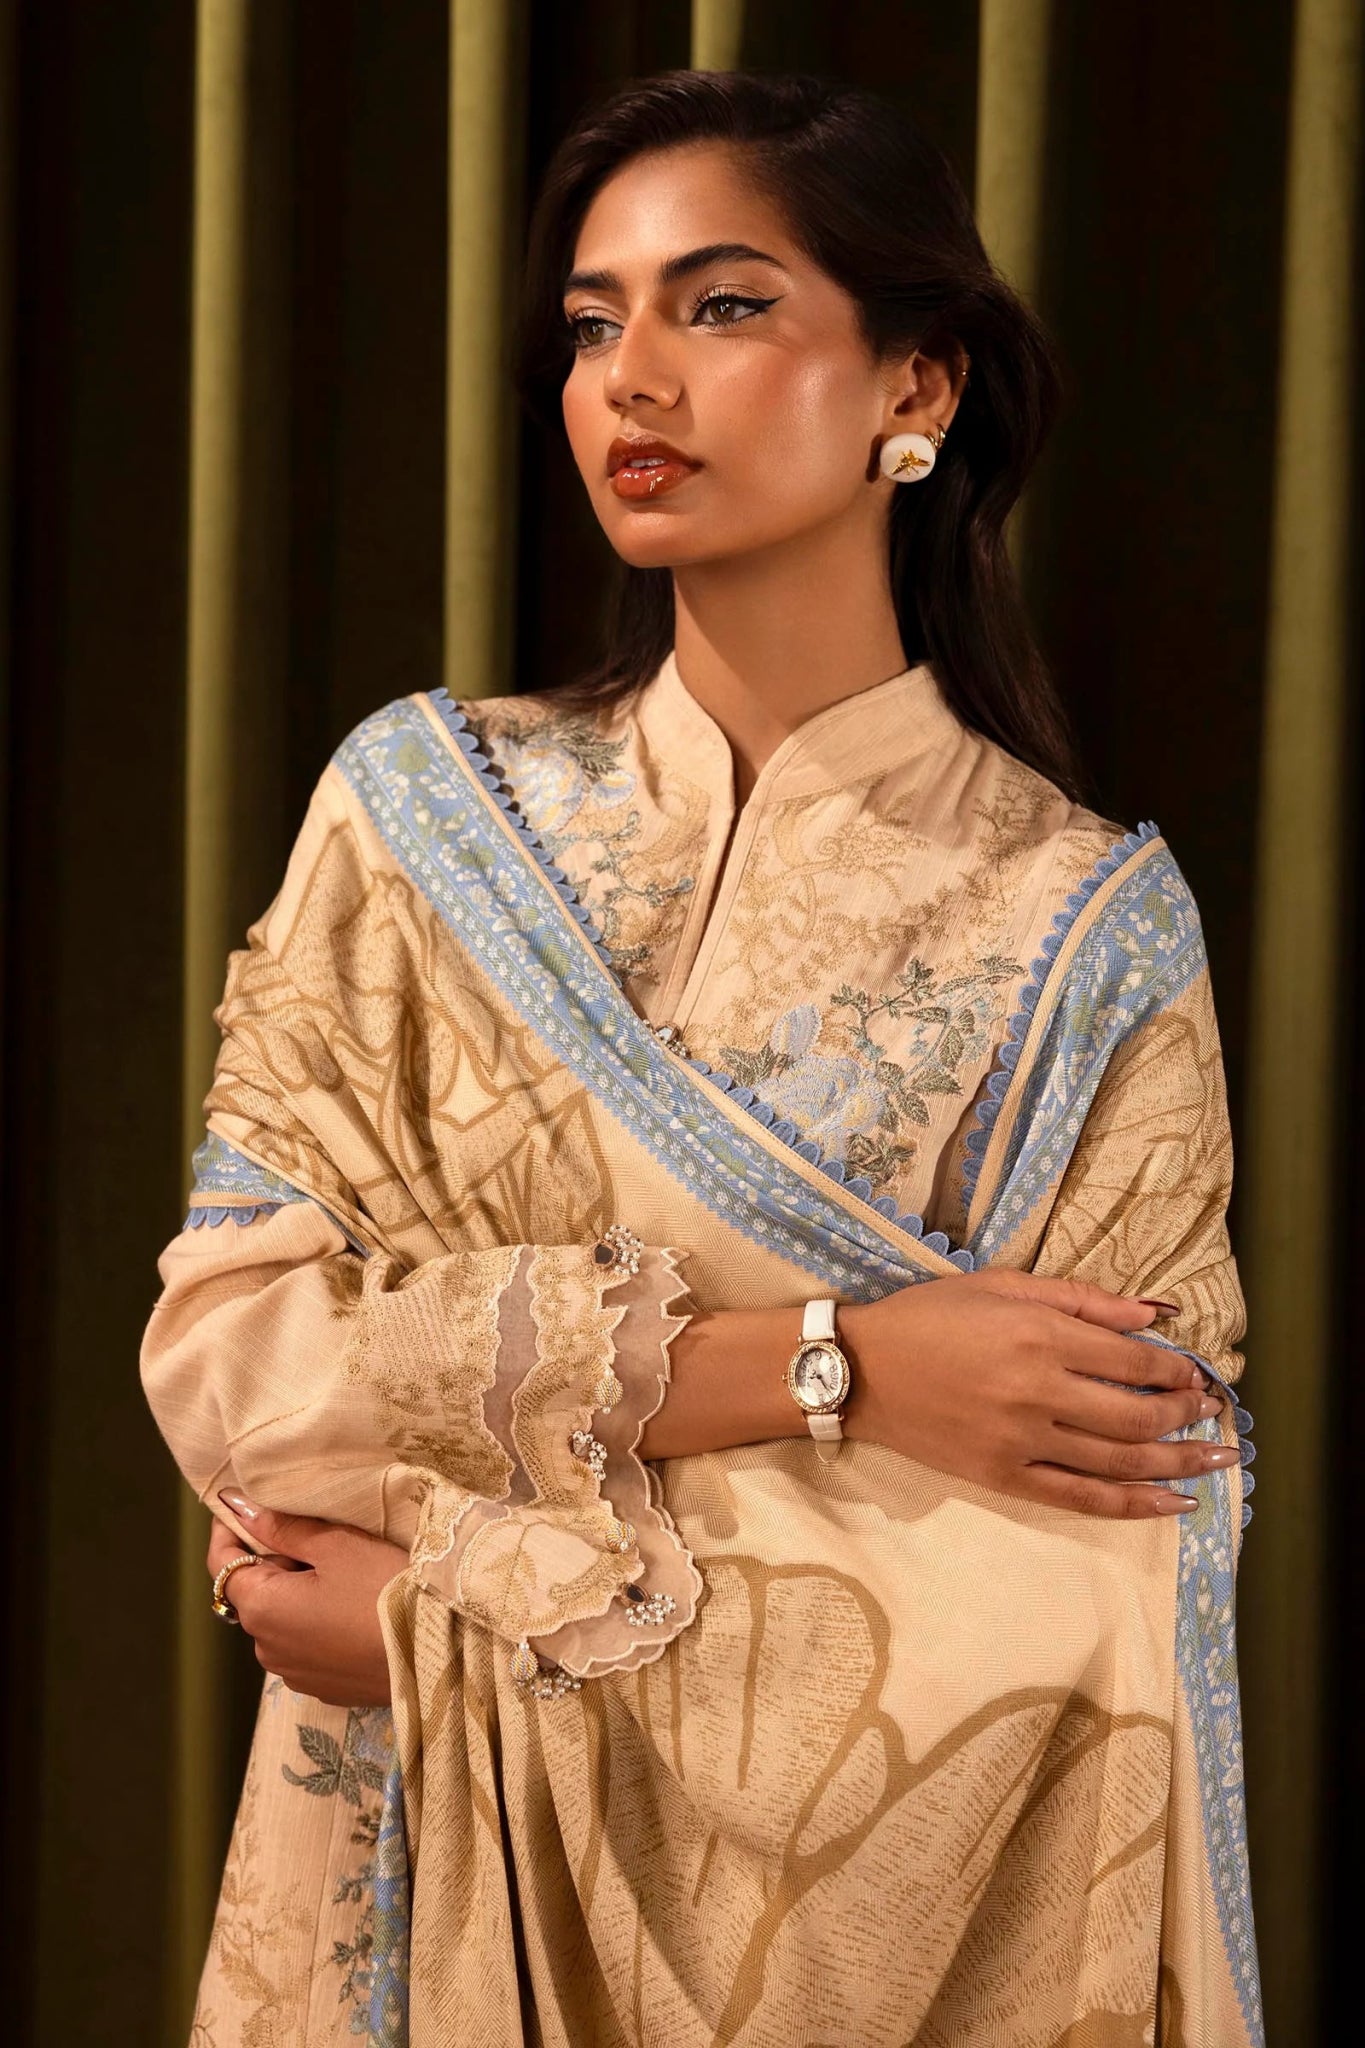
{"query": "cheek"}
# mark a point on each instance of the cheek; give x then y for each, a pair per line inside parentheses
(577, 407)
(797, 427)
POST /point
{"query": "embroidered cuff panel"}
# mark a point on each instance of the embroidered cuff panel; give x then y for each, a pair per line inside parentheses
(554, 1552)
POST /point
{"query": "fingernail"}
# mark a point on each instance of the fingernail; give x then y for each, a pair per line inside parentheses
(1163, 1308)
(1223, 1454)
(1208, 1406)
(1175, 1504)
(239, 1503)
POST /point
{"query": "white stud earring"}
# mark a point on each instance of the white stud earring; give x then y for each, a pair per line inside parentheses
(908, 458)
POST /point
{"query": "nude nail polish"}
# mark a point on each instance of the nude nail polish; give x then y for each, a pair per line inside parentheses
(239, 1503)
(1175, 1504)
(1208, 1406)
(1222, 1454)
(1163, 1308)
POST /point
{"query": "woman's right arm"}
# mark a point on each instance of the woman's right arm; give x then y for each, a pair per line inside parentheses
(999, 1377)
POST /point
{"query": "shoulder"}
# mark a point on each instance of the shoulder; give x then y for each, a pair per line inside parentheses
(541, 724)
(513, 717)
(402, 736)
(395, 765)
(1076, 871)
(1023, 809)
(1023, 821)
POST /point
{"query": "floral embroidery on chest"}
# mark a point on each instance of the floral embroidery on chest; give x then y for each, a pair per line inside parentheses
(574, 789)
(866, 1077)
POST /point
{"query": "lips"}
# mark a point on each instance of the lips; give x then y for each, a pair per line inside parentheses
(645, 467)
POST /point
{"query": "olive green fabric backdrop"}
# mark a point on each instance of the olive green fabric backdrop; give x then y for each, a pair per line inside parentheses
(260, 471)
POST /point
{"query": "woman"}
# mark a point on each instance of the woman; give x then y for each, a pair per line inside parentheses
(757, 1063)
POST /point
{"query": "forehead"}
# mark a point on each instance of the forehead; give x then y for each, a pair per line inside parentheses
(679, 198)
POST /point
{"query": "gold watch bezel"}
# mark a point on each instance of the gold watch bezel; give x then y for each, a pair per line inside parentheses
(832, 1404)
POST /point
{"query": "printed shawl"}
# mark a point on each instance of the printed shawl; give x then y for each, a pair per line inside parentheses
(906, 1760)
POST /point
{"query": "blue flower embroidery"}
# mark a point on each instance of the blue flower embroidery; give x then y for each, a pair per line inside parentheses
(843, 1088)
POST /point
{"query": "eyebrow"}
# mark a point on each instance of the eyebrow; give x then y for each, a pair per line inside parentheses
(674, 268)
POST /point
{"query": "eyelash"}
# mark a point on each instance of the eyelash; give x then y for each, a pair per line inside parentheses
(579, 321)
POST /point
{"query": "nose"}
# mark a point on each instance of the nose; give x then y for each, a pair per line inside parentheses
(641, 367)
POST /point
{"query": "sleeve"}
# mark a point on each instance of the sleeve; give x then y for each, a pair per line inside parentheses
(1142, 1207)
(482, 1409)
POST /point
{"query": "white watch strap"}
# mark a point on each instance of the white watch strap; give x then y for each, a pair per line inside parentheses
(818, 1321)
(828, 1431)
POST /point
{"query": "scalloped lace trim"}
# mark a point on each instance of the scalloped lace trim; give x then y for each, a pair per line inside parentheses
(1012, 1044)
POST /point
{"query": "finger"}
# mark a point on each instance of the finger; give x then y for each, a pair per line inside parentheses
(254, 1590)
(1128, 1462)
(1109, 1356)
(1131, 1418)
(1085, 1495)
(223, 1544)
(1080, 1299)
(297, 1536)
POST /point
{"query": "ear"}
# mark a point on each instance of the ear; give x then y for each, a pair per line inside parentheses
(923, 392)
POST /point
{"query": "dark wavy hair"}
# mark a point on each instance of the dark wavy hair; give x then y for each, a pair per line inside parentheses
(880, 209)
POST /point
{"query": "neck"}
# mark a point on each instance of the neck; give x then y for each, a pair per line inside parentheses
(764, 641)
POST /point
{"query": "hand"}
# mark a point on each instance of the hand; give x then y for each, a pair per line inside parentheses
(312, 1602)
(998, 1377)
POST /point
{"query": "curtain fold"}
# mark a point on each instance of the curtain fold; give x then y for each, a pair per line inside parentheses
(717, 35)
(8, 168)
(1013, 82)
(235, 684)
(1011, 136)
(485, 151)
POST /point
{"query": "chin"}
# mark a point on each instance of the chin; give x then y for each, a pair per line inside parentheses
(661, 548)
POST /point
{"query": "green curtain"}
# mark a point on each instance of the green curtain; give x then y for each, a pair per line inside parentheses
(260, 470)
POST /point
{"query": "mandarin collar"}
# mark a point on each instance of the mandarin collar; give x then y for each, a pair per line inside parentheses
(856, 740)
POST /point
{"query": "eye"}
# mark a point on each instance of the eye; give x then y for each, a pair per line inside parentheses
(578, 325)
(723, 298)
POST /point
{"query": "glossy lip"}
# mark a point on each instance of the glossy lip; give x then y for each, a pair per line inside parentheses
(625, 448)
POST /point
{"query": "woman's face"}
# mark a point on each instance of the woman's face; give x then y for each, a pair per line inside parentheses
(749, 365)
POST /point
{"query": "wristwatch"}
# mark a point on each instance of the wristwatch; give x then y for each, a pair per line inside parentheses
(818, 1378)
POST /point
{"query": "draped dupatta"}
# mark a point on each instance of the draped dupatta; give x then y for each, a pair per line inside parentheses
(909, 1760)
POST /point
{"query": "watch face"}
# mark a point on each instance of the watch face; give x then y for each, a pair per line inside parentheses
(818, 1376)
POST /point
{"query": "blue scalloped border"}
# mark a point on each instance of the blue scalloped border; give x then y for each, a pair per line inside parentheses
(220, 1169)
(1242, 1421)
(978, 1139)
(208, 1219)
(465, 737)
(1215, 1707)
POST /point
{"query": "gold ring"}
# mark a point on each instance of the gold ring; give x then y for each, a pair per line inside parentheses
(224, 1609)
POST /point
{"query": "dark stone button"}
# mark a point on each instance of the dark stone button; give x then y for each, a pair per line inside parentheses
(603, 1254)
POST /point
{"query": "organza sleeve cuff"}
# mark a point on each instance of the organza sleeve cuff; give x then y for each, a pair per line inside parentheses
(575, 1561)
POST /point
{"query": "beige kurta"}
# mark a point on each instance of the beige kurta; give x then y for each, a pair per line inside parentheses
(904, 1760)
